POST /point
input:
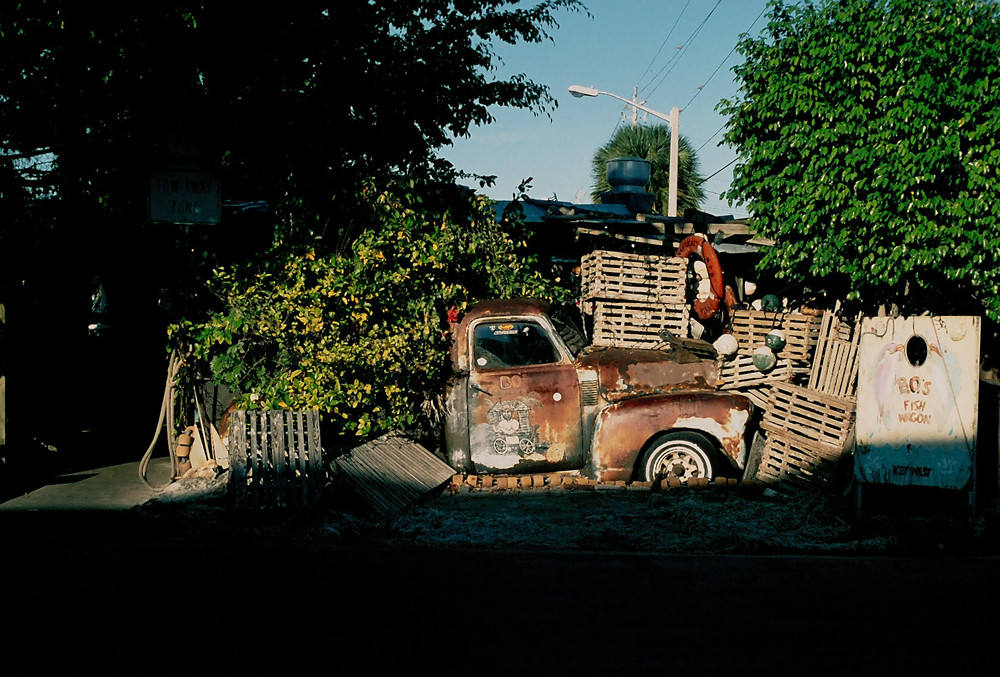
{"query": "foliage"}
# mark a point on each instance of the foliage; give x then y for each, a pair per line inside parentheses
(867, 134)
(652, 143)
(363, 336)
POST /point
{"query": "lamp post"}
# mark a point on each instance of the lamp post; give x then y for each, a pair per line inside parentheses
(673, 119)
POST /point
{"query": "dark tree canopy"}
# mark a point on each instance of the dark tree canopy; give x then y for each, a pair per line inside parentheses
(652, 143)
(294, 101)
(867, 133)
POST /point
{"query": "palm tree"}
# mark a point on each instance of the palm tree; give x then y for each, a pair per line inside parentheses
(652, 143)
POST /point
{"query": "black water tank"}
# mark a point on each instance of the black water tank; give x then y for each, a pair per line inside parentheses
(628, 178)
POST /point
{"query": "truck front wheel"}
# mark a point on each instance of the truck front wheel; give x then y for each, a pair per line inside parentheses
(679, 455)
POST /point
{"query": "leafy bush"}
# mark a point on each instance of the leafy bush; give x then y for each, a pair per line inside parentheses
(362, 335)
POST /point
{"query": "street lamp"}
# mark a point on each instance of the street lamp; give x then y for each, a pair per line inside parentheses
(674, 119)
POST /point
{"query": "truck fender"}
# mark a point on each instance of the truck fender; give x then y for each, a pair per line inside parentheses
(623, 429)
(456, 424)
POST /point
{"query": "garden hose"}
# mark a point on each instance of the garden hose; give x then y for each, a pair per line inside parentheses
(166, 414)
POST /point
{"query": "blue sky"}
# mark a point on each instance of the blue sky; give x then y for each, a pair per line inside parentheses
(678, 52)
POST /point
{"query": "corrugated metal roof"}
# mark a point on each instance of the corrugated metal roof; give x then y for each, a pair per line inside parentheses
(392, 472)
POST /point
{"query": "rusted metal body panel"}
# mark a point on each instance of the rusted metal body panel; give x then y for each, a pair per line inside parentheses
(524, 420)
(520, 402)
(520, 391)
(624, 428)
(625, 373)
(918, 401)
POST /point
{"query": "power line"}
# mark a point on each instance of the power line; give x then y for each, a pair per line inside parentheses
(709, 138)
(722, 63)
(680, 50)
(664, 43)
(724, 167)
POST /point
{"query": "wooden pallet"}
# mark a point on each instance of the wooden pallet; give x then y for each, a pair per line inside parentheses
(638, 325)
(276, 459)
(749, 327)
(824, 422)
(788, 461)
(632, 277)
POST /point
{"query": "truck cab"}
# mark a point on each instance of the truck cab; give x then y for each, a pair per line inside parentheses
(529, 395)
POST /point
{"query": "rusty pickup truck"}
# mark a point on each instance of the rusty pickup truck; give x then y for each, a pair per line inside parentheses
(529, 395)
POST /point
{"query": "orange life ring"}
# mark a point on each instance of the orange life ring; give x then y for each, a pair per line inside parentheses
(697, 244)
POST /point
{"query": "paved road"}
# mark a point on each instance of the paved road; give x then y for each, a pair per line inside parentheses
(112, 488)
(116, 592)
(257, 609)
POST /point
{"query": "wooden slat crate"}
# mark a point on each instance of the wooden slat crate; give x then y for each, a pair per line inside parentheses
(739, 373)
(790, 462)
(822, 421)
(758, 395)
(633, 277)
(749, 327)
(637, 325)
(276, 459)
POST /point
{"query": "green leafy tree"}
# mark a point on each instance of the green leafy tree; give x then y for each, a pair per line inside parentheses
(652, 143)
(289, 103)
(868, 149)
(363, 336)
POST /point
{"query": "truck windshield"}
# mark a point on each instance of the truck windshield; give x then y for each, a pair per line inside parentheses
(512, 344)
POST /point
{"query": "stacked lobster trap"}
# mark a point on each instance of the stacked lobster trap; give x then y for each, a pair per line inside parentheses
(808, 428)
(800, 369)
(790, 358)
(634, 298)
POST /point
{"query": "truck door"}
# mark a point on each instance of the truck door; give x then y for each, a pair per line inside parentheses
(523, 400)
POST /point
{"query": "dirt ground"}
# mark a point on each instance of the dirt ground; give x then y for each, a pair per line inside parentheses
(723, 520)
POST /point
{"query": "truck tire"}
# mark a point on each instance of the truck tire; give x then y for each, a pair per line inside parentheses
(681, 455)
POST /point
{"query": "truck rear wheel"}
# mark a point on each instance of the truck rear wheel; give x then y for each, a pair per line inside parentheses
(679, 455)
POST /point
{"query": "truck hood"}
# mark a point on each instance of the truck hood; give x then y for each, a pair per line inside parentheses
(632, 372)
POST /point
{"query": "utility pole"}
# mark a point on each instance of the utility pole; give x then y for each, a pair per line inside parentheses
(675, 122)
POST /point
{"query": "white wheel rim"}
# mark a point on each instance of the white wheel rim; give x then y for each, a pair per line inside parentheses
(681, 460)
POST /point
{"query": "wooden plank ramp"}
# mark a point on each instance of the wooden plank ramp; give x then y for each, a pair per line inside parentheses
(391, 472)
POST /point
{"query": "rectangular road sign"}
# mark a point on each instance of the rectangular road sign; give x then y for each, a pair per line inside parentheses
(184, 197)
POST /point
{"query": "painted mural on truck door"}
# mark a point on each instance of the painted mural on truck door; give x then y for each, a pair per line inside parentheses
(523, 399)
